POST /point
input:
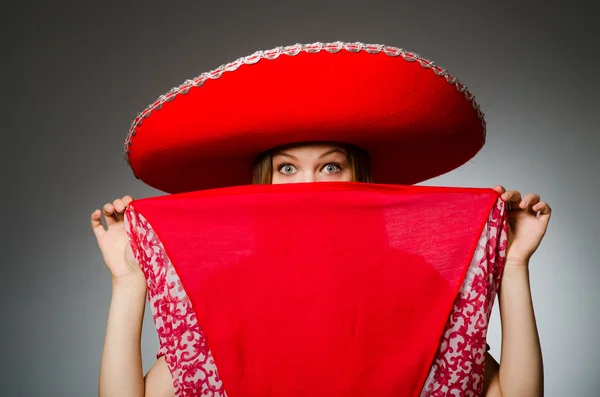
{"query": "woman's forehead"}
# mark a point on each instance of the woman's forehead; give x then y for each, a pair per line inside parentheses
(313, 149)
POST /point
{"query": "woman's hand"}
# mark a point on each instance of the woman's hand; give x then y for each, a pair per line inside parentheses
(113, 242)
(121, 371)
(521, 370)
(525, 228)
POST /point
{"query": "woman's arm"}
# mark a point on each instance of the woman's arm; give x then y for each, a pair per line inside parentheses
(121, 371)
(521, 369)
(491, 382)
(520, 373)
(121, 367)
(158, 381)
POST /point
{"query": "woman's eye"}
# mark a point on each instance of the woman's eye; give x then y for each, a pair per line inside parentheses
(287, 169)
(332, 168)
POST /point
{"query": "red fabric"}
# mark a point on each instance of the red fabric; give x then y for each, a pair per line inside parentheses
(321, 289)
(401, 112)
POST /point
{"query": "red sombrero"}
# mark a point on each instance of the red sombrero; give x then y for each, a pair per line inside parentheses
(415, 120)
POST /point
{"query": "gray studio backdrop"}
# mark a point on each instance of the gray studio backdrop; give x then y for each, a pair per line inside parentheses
(75, 77)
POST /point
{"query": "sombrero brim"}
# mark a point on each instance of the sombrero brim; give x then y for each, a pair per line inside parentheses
(415, 120)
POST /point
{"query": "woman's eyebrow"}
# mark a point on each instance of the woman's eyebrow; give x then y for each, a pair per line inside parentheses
(285, 155)
(335, 150)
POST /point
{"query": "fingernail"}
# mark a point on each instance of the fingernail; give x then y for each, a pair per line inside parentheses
(524, 204)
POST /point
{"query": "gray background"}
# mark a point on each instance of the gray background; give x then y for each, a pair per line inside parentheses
(76, 75)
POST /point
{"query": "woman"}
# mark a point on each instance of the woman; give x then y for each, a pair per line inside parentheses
(520, 370)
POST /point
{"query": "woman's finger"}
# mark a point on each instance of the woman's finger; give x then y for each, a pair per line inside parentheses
(108, 210)
(513, 197)
(500, 189)
(118, 205)
(543, 208)
(127, 200)
(530, 199)
(119, 209)
(97, 224)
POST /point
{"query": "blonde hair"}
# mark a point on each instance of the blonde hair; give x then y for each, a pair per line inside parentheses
(357, 158)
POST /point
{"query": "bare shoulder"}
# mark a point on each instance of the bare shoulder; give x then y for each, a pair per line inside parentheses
(158, 381)
(491, 377)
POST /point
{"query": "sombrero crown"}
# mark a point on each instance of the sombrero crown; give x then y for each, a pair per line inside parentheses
(415, 120)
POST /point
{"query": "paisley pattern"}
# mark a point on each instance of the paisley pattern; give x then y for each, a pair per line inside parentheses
(458, 366)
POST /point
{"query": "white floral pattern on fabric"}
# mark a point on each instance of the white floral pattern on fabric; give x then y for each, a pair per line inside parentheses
(182, 342)
(458, 366)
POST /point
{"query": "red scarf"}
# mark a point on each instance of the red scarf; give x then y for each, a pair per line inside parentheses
(323, 289)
